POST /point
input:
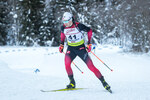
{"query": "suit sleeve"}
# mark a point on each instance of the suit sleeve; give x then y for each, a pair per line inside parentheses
(62, 35)
(82, 27)
(89, 36)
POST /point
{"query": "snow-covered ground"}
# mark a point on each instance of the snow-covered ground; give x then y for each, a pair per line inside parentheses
(19, 80)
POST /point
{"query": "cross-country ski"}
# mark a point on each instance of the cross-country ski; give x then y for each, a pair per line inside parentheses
(65, 89)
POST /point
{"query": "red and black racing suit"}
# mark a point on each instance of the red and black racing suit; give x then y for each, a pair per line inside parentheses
(79, 50)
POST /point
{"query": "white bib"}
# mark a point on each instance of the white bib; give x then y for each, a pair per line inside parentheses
(73, 35)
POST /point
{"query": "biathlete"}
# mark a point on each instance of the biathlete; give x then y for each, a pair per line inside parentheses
(76, 47)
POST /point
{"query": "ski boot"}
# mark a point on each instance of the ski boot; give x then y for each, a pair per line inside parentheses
(105, 84)
(72, 83)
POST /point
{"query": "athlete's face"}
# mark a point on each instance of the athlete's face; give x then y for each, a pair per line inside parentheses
(68, 24)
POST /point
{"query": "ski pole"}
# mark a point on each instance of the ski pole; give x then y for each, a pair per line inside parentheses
(76, 66)
(101, 61)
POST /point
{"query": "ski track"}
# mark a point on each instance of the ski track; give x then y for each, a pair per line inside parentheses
(18, 80)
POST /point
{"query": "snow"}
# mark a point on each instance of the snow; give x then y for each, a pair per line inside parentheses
(15, 16)
(19, 81)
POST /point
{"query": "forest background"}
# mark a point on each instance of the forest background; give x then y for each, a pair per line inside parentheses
(37, 22)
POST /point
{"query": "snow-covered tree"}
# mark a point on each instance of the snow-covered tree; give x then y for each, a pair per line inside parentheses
(37, 22)
(6, 22)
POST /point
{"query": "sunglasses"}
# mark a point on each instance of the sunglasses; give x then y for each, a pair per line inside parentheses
(66, 21)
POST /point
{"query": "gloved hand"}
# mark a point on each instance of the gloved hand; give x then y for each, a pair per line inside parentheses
(61, 47)
(89, 47)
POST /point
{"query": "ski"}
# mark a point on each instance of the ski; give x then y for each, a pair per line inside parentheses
(65, 89)
(72, 89)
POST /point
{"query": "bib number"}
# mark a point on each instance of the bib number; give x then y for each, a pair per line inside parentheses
(72, 37)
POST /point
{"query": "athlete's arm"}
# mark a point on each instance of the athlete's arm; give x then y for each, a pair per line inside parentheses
(62, 35)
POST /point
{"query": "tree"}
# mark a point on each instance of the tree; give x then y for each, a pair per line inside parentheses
(5, 22)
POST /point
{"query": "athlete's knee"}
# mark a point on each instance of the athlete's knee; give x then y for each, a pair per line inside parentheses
(91, 65)
(93, 68)
(67, 60)
(89, 62)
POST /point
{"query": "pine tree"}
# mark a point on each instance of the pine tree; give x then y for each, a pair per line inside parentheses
(5, 22)
(31, 22)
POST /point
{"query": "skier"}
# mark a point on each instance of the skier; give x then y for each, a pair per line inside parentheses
(76, 47)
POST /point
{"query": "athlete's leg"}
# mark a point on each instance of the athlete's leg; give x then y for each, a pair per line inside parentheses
(69, 57)
(83, 54)
(91, 66)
